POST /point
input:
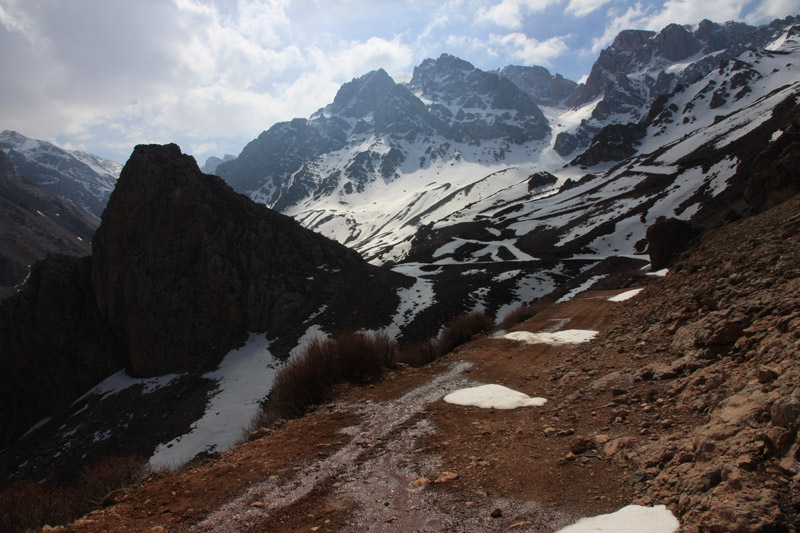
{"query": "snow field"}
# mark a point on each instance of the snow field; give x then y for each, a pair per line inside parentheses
(493, 397)
(244, 377)
(629, 519)
(567, 336)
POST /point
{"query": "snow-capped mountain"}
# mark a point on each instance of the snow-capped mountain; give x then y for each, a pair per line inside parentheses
(83, 179)
(641, 66)
(386, 163)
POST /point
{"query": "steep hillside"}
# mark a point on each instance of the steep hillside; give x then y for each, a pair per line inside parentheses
(35, 222)
(688, 397)
(83, 179)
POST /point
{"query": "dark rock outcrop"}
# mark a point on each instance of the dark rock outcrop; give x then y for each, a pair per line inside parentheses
(183, 266)
(541, 180)
(54, 344)
(776, 177)
(182, 269)
(615, 142)
(33, 223)
(543, 87)
(667, 239)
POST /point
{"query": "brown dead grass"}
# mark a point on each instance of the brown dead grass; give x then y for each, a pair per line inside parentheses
(27, 505)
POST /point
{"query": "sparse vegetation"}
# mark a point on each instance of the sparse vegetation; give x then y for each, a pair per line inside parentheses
(523, 313)
(28, 505)
(306, 380)
(458, 331)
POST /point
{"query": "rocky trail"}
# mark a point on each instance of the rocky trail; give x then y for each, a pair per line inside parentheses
(688, 397)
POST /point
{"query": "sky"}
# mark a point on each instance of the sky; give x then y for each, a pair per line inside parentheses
(210, 75)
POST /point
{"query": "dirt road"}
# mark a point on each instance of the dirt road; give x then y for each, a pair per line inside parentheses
(394, 457)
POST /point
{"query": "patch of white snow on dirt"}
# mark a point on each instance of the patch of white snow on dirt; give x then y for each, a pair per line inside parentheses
(659, 273)
(244, 378)
(627, 295)
(493, 397)
(383, 475)
(567, 336)
(629, 519)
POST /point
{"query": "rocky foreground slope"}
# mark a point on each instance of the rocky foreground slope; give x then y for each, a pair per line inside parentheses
(688, 397)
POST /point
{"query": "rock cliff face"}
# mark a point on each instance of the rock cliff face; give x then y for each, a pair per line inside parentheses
(53, 344)
(182, 269)
(182, 265)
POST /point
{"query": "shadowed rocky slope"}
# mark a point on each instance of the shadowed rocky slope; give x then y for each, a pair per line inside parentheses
(182, 264)
(34, 222)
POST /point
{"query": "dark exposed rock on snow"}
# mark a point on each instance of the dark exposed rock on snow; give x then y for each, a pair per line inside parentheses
(544, 88)
(777, 178)
(183, 265)
(35, 222)
(667, 239)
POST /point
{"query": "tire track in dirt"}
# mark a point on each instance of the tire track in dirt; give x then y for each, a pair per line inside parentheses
(355, 463)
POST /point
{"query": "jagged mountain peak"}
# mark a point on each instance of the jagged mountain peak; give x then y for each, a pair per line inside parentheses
(542, 86)
(359, 97)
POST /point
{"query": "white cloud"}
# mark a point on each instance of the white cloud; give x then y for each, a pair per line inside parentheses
(769, 10)
(530, 51)
(628, 20)
(581, 8)
(509, 13)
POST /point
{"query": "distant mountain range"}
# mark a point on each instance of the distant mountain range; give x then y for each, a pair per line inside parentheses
(385, 161)
(83, 179)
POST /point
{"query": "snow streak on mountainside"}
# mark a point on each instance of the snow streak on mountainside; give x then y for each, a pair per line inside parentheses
(399, 171)
(84, 179)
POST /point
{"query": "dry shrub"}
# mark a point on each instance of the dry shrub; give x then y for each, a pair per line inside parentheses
(462, 329)
(109, 474)
(28, 505)
(523, 313)
(457, 332)
(307, 379)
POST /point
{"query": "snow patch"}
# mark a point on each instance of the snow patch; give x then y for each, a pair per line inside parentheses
(660, 273)
(313, 333)
(579, 289)
(629, 519)
(120, 381)
(493, 397)
(244, 378)
(627, 295)
(567, 336)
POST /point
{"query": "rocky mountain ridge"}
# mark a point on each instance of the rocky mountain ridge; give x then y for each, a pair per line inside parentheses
(35, 222)
(455, 136)
(83, 179)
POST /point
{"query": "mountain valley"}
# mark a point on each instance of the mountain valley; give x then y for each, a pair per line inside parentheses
(514, 194)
